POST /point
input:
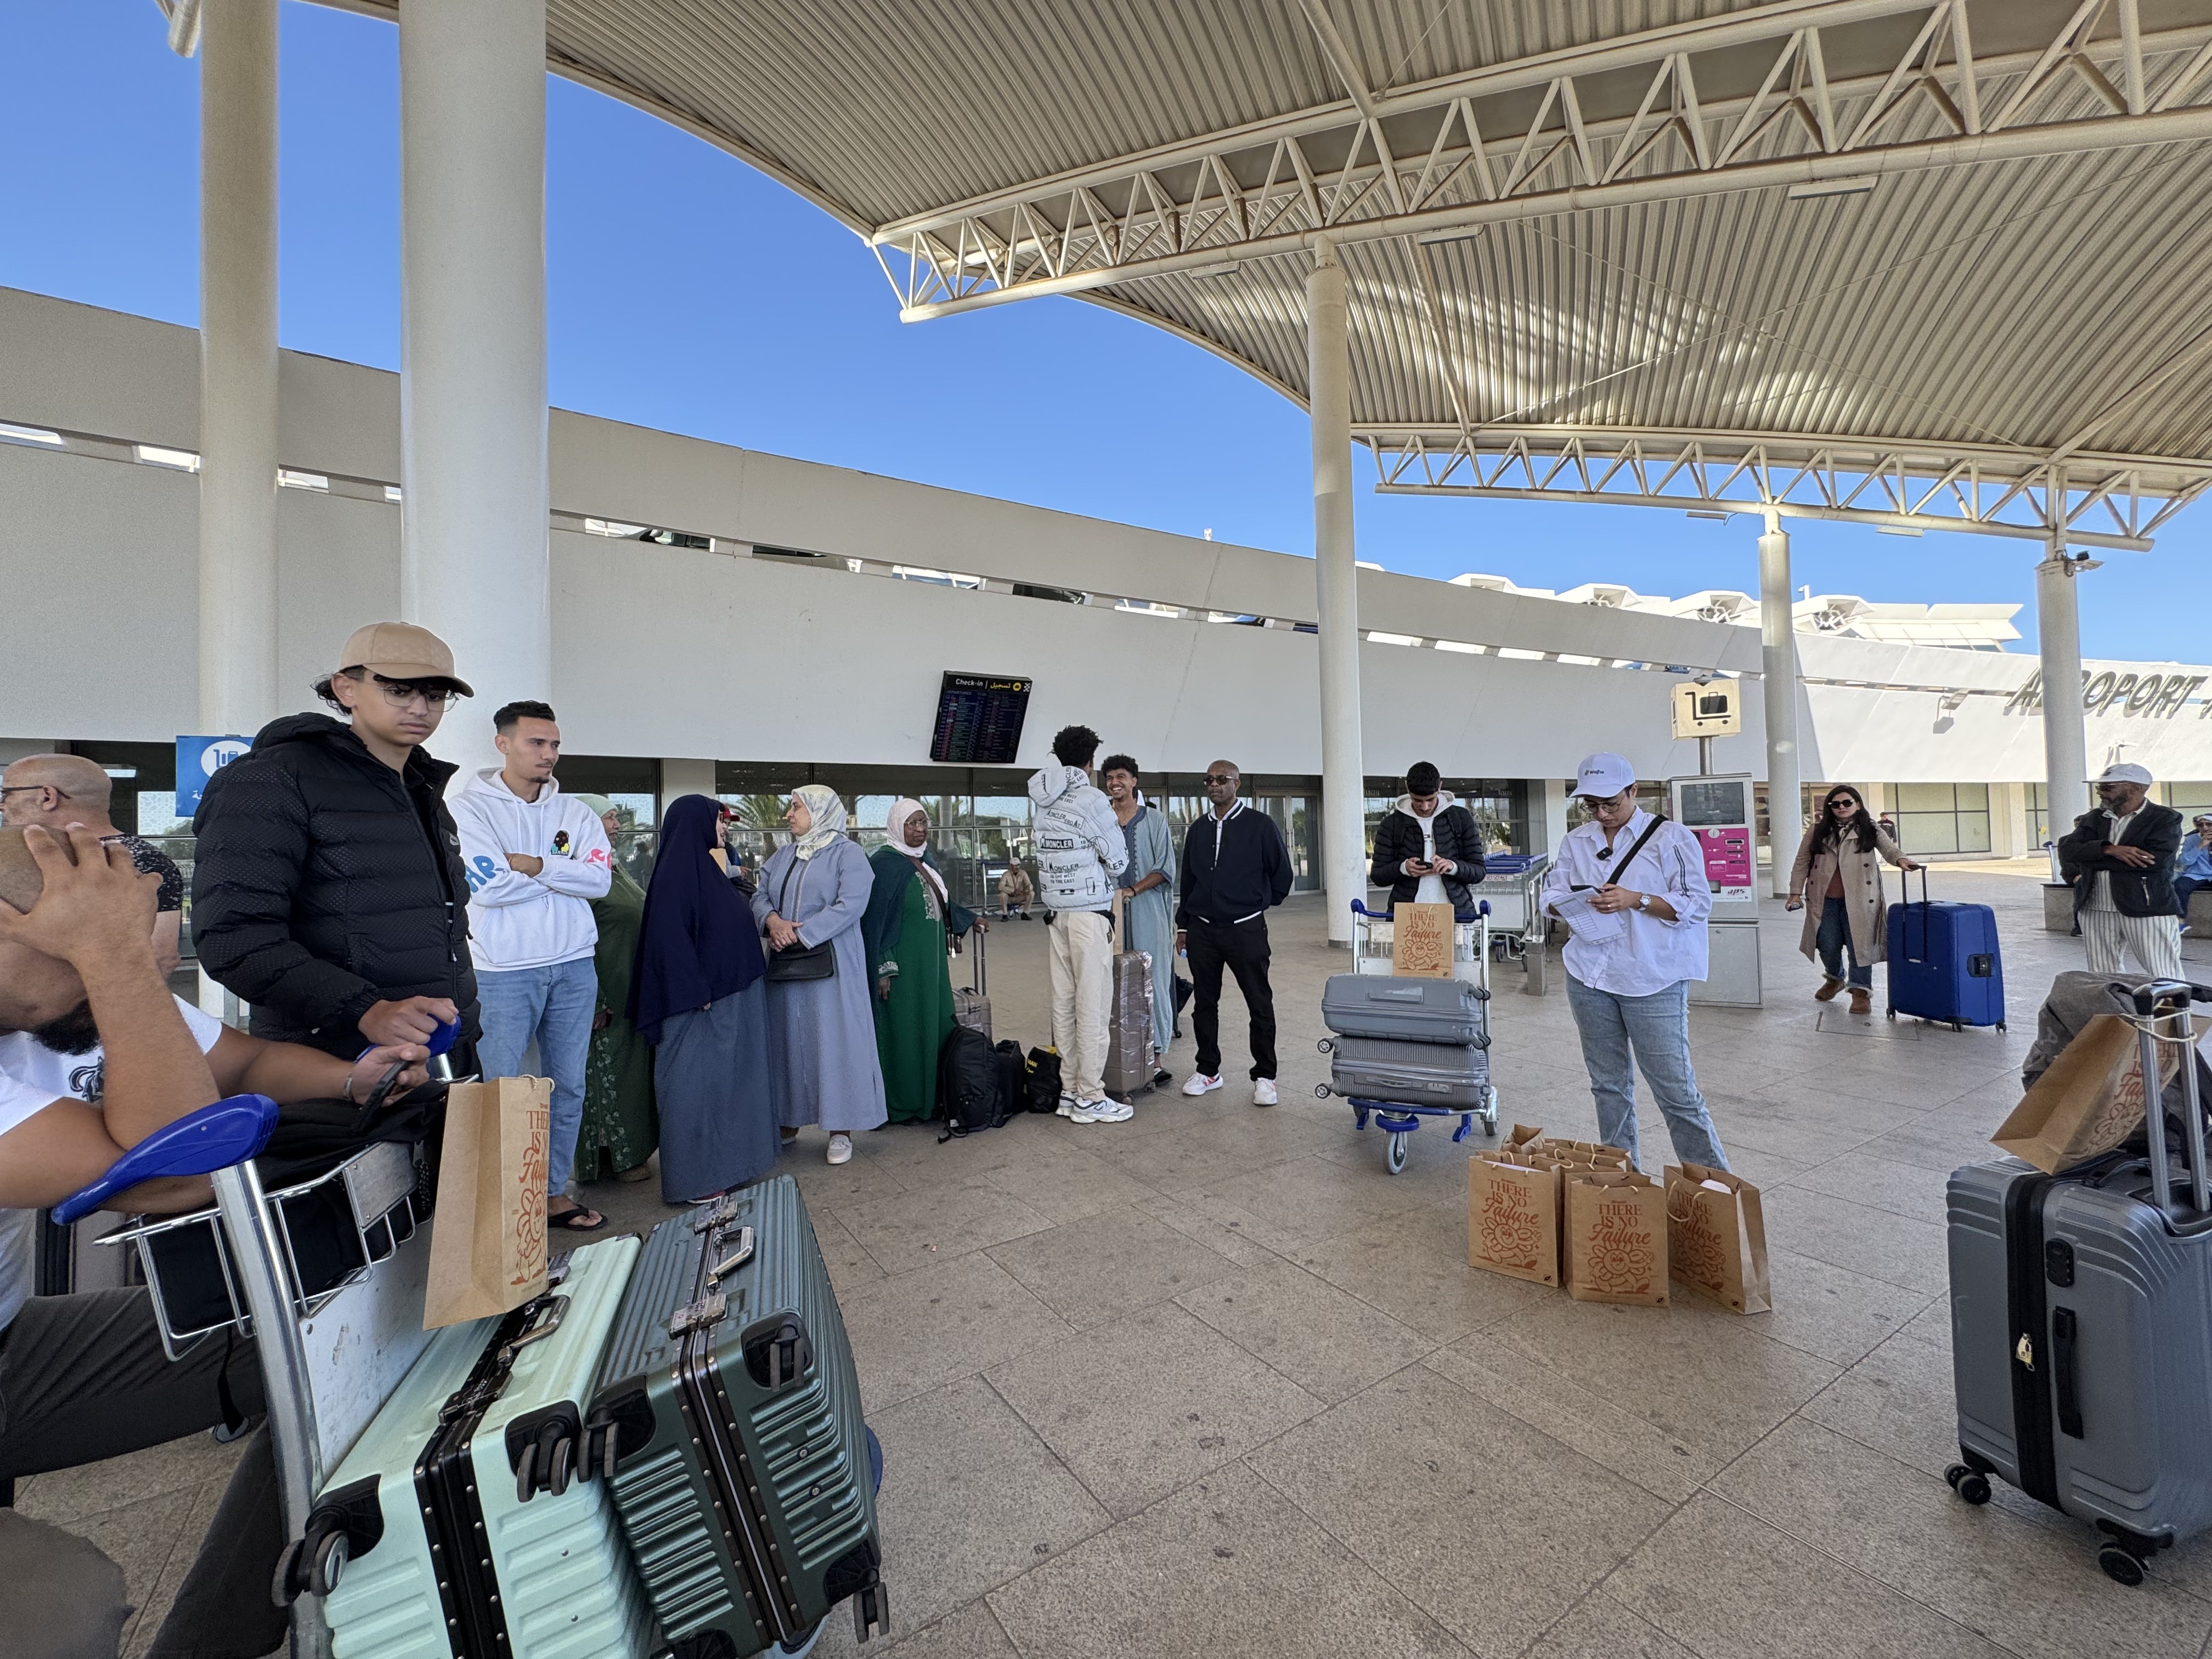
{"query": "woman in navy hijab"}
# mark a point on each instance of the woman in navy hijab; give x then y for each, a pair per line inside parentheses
(697, 997)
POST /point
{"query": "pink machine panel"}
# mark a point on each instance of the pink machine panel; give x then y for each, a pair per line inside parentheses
(1728, 855)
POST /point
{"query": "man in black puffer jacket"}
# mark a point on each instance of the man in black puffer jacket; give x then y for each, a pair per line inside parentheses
(1428, 840)
(327, 886)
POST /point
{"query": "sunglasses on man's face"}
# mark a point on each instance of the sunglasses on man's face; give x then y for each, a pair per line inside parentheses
(1221, 777)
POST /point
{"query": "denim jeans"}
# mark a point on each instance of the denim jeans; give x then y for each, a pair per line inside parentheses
(554, 1006)
(1657, 1027)
(1834, 942)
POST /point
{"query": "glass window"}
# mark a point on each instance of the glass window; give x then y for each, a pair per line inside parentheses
(1941, 817)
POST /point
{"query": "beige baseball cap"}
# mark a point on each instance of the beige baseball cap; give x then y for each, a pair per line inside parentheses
(401, 651)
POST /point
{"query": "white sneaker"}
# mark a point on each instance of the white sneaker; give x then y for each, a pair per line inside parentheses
(840, 1149)
(1066, 1108)
(1199, 1084)
(1101, 1111)
(1263, 1091)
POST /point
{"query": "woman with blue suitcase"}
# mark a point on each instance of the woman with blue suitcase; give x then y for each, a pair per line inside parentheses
(1840, 861)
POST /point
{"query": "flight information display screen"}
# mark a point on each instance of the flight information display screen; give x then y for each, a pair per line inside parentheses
(1724, 801)
(979, 718)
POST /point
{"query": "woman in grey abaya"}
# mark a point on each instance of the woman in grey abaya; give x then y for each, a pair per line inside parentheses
(821, 1032)
(698, 999)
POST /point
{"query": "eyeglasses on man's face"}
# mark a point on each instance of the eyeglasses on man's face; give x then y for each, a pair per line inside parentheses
(400, 693)
(1220, 778)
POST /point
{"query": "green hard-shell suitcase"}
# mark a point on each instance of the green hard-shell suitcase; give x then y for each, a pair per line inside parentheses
(728, 1420)
(464, 1523)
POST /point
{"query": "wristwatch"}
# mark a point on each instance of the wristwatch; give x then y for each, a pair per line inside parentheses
(1642, 900)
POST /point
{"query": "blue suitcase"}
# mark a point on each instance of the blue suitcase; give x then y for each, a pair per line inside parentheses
(1944, 964)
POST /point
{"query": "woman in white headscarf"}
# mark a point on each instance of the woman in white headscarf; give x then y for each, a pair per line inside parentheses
(910, 919)
(812, 894)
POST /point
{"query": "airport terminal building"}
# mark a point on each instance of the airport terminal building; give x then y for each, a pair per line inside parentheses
(737, 623)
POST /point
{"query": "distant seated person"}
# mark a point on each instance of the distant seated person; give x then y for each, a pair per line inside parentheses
(2192, 868)
(95, 1056)
(1428, 848)
(1016, 891)
(55, 791)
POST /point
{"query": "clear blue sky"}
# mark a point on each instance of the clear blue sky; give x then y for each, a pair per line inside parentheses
(691, 293)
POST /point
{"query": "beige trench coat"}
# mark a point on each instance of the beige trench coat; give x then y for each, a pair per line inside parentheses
(1863, 892)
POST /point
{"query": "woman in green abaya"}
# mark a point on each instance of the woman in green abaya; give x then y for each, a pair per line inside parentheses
(620, 1127)
(909, 919)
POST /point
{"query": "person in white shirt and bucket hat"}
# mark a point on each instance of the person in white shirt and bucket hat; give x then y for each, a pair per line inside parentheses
(2119, 859)
(1633, 888)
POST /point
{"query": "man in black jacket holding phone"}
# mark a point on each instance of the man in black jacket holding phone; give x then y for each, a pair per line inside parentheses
(1428, 848)
(2120, 862)
(1235, 869)
(327, 885)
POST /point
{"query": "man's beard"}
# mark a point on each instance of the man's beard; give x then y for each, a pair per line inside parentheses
(74, 1033)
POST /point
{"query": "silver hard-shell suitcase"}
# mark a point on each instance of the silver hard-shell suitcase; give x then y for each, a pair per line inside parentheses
(1405, 1009)
(1413, 1074)
(2082, 1325)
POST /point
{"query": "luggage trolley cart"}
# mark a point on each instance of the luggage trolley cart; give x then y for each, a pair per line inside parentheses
(1470, 964)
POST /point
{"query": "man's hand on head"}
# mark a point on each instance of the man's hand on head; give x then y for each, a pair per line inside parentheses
(95, 907)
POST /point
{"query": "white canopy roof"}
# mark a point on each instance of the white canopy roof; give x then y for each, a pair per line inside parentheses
(1922, 262)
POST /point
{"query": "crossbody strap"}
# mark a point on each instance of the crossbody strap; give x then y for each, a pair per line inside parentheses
(1650, 831)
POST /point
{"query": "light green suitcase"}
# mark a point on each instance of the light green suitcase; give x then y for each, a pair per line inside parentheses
(481, 1442)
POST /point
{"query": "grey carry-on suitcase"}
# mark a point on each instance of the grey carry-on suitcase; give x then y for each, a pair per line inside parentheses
(972, 1006)
(1130, 1059)
(1406, 1010)
(728, 1419)
(2082, 1324)
(1411, 1073)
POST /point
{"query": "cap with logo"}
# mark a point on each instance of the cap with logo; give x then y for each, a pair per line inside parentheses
(1603, 775)
(401, 651)
(2124, 772)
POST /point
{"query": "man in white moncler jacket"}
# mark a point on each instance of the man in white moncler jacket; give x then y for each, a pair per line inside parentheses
(536, 859)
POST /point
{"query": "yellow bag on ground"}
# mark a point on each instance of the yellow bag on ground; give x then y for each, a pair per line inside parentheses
(488, 1234)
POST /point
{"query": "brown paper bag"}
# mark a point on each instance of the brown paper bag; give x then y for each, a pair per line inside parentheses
(1717, 1239)
(1513, 1218)
(2089, 1102)
(1421, 941)
(488, 1234)
(1523, 1138)
(1615, 1238)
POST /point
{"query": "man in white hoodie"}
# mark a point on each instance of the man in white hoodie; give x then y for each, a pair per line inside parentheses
(1081, 851)
(536, 860)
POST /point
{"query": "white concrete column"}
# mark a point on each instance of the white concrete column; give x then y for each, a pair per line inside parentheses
(1547, 815)
(2065, 745)
(238, 367)
(679, 778)
(1777, 636)
(473, 563)
(1343, 777)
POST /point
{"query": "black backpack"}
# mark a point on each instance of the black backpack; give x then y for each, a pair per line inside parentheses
(1040, 1081)
(970, 1095)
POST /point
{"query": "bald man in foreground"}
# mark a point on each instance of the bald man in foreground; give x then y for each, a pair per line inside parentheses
(56, 791)
(95, 1056)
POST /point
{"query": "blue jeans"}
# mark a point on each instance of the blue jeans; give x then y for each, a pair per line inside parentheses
(1657, 1027)
(1834, 942)
(555, 1007)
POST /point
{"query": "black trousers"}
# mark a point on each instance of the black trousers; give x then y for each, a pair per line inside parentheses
(1241, 947)
(82, 1378)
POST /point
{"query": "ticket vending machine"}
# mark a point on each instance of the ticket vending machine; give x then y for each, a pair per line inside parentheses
(1719, 810)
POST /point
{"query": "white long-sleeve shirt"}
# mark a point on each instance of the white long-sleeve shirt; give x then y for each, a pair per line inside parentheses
(1650, 954)
(530, 921)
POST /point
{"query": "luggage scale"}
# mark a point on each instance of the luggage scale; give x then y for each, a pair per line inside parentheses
(1397, 1119)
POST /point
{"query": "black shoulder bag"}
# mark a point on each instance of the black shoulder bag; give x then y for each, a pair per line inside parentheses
(798, 963)
(1613, 874)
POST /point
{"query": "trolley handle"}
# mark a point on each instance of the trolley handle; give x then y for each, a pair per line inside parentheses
(1480, 910)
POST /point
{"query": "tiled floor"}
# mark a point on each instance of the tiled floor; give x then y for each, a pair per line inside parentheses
(1214, 1382)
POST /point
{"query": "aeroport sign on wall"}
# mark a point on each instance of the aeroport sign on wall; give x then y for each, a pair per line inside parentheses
(2158, 696)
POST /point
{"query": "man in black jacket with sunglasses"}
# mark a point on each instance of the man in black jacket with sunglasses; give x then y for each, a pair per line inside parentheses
(327, 885)
(1235, 869)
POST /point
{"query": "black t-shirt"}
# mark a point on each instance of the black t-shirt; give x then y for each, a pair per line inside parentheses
(150, 860)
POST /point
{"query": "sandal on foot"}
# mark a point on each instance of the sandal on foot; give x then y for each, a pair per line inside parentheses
(567, 1220)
